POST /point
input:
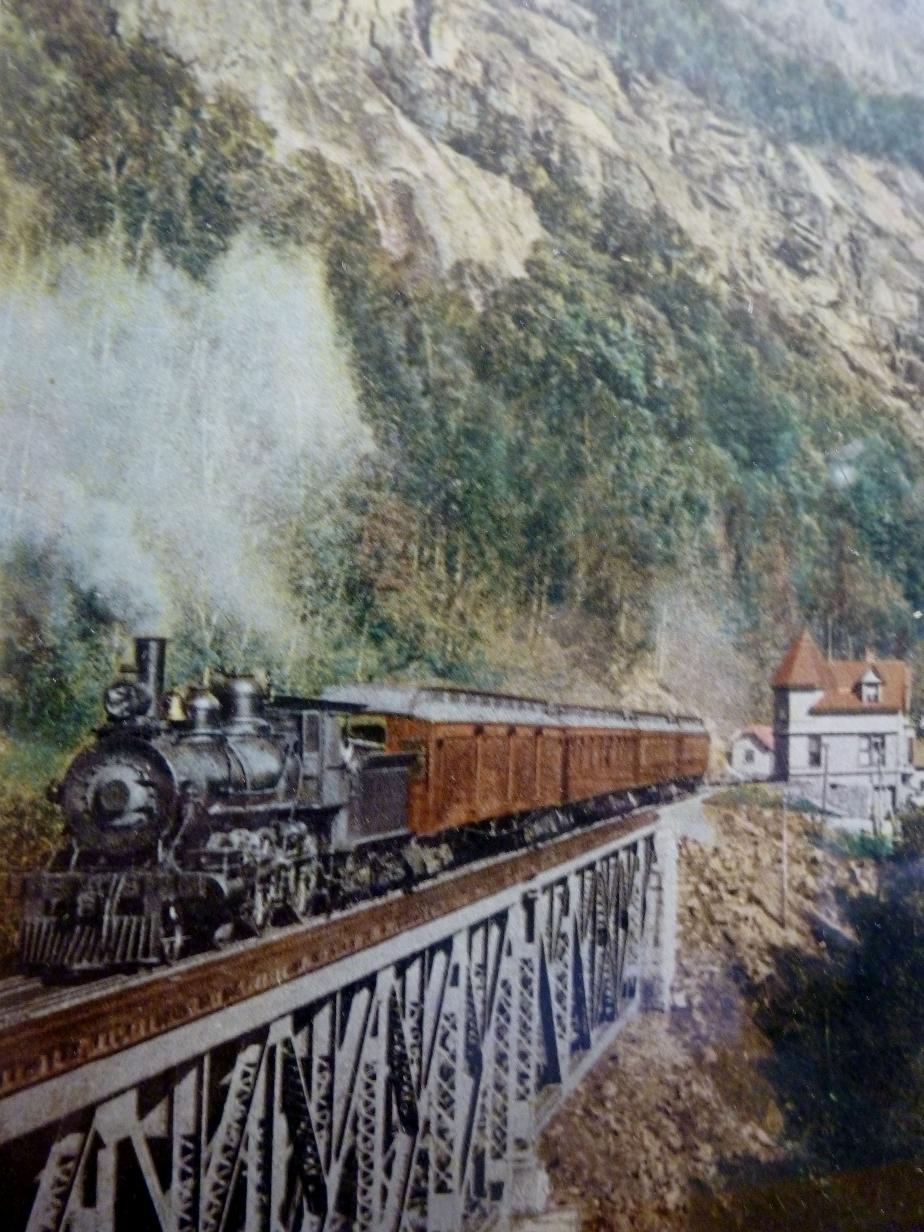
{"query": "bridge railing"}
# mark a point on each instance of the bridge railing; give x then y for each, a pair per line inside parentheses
(400, 1087)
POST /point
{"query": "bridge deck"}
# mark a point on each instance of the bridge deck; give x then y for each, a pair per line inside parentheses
(48, 1031)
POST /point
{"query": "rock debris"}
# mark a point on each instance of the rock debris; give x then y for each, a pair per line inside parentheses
(682, 1100)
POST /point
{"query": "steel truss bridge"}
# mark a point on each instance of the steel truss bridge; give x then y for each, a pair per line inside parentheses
(387, 1070)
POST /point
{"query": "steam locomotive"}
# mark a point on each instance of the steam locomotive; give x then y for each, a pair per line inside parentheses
(190, 825)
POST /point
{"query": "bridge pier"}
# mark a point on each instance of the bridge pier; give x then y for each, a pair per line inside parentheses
(401, 1088)
(660, 940)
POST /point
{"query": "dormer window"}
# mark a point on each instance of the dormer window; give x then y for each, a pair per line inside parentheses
(871, 687)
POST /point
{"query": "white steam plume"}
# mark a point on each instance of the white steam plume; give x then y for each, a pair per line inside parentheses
(160, 431)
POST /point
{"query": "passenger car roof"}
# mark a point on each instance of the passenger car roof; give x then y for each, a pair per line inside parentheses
(450, 705)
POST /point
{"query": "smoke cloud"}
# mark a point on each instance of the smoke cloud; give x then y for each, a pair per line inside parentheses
(160, 432)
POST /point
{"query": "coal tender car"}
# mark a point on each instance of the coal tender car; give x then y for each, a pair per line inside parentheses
(189, 825)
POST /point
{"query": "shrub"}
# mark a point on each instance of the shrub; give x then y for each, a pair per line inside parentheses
(909, 843)
(864, 846)
(30, 828)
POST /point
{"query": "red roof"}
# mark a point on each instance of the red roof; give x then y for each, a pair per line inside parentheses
(803, 665)
(759, 732)
(843, 697)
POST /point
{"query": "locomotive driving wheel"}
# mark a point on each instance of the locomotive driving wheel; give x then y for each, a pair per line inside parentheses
(303, 891)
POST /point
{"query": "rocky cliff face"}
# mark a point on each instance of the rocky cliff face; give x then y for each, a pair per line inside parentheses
(877, 42)
(432, 105)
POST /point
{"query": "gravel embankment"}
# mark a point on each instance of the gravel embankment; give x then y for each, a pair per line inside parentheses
(682, 1100)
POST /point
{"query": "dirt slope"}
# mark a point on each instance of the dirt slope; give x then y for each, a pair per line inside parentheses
(682, 1099)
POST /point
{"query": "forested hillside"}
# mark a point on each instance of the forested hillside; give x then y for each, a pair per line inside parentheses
(300, 422)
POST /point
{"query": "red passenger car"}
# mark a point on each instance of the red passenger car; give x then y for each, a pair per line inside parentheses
(488, 755)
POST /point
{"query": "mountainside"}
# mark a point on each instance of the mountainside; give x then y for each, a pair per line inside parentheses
(574, 349)
(879, 45)
(437, 109)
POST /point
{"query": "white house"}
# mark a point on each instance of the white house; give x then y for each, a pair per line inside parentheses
(841, 730)
(750, 755)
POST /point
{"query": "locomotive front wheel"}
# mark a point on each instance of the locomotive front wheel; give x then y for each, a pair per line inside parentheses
(255, 914)
(304, 888)
(173, 938)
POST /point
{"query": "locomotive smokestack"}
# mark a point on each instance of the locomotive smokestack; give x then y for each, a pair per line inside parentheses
(150, 656)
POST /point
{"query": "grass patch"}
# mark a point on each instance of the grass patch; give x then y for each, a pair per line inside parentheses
(749, 795)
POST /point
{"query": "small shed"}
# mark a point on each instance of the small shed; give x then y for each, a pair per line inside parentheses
(750, 754)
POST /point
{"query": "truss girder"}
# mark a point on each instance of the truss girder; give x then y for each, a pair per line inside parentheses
(401, 1093)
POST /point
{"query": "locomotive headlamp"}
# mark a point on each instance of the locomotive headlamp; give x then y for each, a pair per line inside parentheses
(139, 698)
(126, 699)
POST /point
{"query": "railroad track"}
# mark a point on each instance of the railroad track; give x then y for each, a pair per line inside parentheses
(46, 1031)
(23, 997)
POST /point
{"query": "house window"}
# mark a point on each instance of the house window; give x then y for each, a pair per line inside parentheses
(749, 757)
(872, 750)
(814, 752)
(871, 690)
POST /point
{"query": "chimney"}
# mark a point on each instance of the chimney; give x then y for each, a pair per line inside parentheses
(150, 656)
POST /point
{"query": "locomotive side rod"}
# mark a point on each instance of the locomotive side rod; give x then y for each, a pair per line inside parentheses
(105, 1022)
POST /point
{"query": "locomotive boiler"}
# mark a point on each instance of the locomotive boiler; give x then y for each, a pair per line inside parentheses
(188, 826)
